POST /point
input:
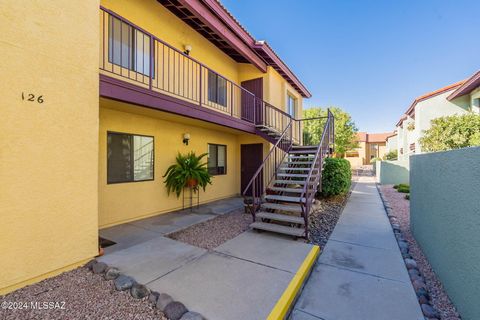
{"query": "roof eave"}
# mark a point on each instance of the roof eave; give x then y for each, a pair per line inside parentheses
(469, 85)
(268, 54)
(203, 13)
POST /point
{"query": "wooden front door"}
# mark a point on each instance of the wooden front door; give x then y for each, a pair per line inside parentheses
(252, 106)
(251, 160)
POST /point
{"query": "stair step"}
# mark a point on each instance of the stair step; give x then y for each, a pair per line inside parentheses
(283, 207)
(284, 198)
(280, 217)
(299, 162)
(297, 232)
(292, 190)
(284, 181)
(306, 151)
(304, 147)
(292, 175)
(304, 157)
(293, 169)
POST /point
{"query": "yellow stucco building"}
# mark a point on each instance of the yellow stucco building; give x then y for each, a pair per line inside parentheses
(370, 146)
(98, 104)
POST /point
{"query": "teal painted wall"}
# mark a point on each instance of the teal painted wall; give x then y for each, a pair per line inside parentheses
(392, 172)
(445, 220)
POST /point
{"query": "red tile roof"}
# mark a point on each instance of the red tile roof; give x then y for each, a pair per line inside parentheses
(411, 110)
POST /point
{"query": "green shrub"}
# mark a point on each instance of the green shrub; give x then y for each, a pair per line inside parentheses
(403, 188)
(407, 196)
(392, 155)
(395, 186)
(336, 177)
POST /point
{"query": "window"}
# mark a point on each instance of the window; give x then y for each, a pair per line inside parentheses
(129, 157)
(217, 89)
(217, 159)
(128, 47)
(291, 103)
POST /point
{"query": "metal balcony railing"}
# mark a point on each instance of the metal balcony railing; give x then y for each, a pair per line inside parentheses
(133, 55)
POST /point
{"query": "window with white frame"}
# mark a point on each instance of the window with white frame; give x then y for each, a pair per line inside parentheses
(291, 105)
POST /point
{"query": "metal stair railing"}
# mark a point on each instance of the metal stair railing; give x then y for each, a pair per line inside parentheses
(313, 183)
(267, 171)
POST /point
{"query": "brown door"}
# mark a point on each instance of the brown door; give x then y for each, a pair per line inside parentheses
(252, 106)
(251, 160)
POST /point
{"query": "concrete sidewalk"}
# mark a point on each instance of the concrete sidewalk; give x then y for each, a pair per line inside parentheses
(360, 274)
(242, 279)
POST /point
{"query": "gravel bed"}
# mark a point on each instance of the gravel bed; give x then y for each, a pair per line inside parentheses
(439, 298)
(212, 233)
(324, 218)
(83, 295)
(325, 215)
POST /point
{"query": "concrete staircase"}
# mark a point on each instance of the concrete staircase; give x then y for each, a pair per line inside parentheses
(283, 207)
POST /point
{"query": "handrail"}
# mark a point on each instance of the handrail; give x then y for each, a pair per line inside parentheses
(267, 156)
(309, 189)
(167, 44)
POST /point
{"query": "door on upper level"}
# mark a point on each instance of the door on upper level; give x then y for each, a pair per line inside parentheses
(252, 107)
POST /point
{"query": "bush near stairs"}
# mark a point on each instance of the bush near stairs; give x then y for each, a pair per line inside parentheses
(336, 177)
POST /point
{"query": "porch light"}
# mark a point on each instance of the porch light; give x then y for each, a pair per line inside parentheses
(188, 48)
(186, 138)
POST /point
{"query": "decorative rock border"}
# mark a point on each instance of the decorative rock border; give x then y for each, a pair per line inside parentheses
(173, 310)
(416, 277)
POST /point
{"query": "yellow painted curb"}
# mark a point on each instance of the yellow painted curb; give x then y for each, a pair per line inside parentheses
(282, 306)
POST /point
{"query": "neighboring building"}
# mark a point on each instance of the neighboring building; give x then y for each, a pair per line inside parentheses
(425, 108)
(470, 89)
(370, 146)
(392, 143)
(98, 103)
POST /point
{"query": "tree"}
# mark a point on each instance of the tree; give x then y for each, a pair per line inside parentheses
(345, 129)
(392, 155)
(452, 132)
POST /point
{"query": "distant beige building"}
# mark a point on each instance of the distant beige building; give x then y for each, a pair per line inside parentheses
(370, 145)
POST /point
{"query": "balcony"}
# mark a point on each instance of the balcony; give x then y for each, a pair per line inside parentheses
(138, 67)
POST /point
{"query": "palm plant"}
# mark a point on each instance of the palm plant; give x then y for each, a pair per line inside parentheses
(187, 171)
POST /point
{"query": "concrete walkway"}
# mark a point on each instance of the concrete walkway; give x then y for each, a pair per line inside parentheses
(360, 274)
(241, 279)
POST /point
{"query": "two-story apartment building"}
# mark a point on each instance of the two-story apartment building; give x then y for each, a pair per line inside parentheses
(99, 98)
(427, 107)
(370, 146)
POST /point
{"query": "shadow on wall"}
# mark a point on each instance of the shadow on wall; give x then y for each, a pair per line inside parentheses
(445, 220)
(392, 172)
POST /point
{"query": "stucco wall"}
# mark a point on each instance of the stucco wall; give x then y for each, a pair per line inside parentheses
(438, 106)
(392, 144)
(122, 202)
(445, 220)
(392, 172)
(48, 151)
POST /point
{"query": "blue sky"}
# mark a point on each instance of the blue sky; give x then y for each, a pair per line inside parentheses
(372, 58)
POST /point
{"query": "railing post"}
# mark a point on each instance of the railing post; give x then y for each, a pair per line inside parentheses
(152, 55)
(200, 85)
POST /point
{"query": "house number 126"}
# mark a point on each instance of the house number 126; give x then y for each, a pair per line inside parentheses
(32, 97)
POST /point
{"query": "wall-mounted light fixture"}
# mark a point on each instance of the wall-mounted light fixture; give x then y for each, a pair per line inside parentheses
(188, 48)
(186, 138)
